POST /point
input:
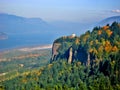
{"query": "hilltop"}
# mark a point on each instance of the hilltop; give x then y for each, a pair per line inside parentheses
(89, 46)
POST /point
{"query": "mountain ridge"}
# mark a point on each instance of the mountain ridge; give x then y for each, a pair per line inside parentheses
(109, 20)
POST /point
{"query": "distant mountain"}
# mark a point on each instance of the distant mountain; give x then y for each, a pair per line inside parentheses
(23, 31)
(12, 24)
(109, 20)
(16, 24)
(31, 31)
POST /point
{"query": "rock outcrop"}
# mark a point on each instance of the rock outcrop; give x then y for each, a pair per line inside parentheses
(70, 55)
(66, 48)
(55, 50)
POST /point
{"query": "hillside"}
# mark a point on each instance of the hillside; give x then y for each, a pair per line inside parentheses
(88, 45)
(88, 62)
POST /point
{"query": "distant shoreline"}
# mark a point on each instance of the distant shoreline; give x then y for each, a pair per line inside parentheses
(28, 48)
(35, 48)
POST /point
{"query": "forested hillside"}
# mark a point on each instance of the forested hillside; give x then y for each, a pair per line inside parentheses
(88, 62)
(102, 43)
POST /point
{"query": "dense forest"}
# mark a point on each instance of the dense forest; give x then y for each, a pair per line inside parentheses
(88, 62)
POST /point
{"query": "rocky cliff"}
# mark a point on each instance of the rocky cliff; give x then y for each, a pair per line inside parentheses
(70, 55)
(67, 48)
(61, 48)
(55, 50)
(90, 48)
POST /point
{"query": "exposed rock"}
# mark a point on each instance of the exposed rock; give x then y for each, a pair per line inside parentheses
(64, 48)
(88, 60)
(70, 55)
(55, 50)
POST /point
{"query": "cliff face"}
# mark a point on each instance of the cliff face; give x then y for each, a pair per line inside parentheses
(67, 49)
(90, 48)
(58, 52)
(55, 50)
(70, 55)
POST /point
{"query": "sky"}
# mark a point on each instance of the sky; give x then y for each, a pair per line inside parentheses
(62, 10)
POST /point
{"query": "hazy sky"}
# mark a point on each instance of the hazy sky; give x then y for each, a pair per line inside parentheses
(63, 10)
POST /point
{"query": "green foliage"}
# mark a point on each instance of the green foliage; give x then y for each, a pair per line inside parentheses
(61, 76)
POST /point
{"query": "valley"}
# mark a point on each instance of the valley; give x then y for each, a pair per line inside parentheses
(18, 61)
